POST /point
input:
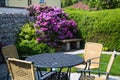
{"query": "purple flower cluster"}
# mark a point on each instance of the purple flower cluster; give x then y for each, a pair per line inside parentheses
(52, 24)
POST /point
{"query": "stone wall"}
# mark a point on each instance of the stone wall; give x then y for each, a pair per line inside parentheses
(10, 25)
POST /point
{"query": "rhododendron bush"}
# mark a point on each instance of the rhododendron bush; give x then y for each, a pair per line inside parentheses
(52, 24)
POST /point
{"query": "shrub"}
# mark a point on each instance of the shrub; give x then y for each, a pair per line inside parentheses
(66, 3)
(103, 4)
(99, 26)
(52, 24)
(26, 42)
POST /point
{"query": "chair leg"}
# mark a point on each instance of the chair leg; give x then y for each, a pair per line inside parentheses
(99, 72)
(80, 75)
(8, 77)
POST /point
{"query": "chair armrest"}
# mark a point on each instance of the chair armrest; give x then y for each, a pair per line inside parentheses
(97, 63)
(89, 60)
(94, 71)
(88, 64)
(23, 57)
(46, 75)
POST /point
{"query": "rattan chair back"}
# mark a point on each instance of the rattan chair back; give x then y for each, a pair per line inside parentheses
(89, 77)
(10, 51)
(93, 50)
(21, 70)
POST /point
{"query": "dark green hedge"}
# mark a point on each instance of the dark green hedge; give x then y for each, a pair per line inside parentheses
(99, 26)
(66, 3)
(103, 4)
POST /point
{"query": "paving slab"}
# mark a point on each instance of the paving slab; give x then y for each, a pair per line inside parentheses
(75, 76)
(3, 72)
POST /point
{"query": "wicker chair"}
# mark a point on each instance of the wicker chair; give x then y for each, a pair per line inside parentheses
(24, 70)
(10, 51)
(109, 66)
(93, 52)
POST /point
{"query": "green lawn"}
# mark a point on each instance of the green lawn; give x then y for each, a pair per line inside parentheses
(116, 65)
(105, 59)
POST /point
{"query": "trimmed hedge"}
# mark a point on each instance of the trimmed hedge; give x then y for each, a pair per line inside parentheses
(98, 26)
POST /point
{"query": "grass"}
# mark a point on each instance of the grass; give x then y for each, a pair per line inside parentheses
(105, 59)
(116, 65)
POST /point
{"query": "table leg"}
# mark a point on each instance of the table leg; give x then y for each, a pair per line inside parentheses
(59, 74)
(63, 76)
(68, 73)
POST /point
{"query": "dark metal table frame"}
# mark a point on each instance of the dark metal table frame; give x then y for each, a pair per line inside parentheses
(56, 60)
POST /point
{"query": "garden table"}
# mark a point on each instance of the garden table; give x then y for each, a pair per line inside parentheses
(56, 60)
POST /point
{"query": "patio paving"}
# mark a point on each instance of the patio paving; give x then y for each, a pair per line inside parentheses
(3, 72)
(74, 76)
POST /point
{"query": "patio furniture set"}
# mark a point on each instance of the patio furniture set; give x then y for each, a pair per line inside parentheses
(31, 67)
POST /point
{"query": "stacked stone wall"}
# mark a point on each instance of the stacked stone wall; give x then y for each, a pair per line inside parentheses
(10, 25)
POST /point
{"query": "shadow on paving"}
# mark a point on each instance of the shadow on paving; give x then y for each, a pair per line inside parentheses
(3, 72)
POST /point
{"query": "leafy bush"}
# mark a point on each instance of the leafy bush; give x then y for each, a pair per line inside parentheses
(99, 26)
(26, 42)
(52, 24)
(66, 3)
(103, 4)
